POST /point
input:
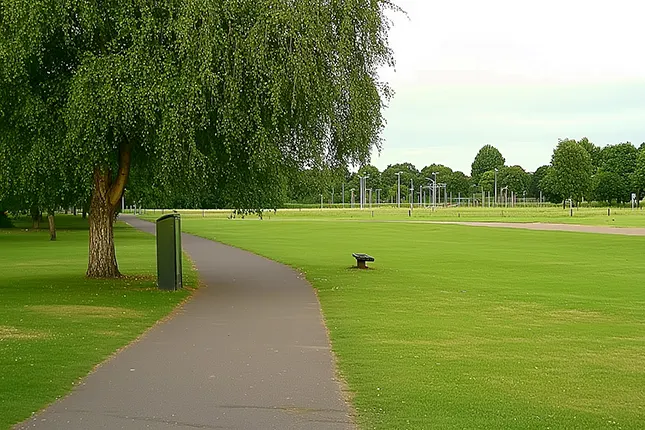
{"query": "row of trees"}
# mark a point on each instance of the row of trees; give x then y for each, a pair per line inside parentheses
(578, 170)
(581, 170)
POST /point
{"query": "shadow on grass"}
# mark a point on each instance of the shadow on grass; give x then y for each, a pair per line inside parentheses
(63, 222)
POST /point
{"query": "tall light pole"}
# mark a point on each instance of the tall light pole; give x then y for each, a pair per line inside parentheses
(398, 189)
(474, 187)
(411, 193)
(434, 190)
(378, 196)
(364, 191)
(495, 186)
(505, 190)
(365, 187)
(321, 202)
(360, 188)
(343, 195)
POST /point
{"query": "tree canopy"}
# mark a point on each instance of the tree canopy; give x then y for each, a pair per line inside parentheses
(488, 158)
(572, 170)
(515, 178)
(225, 94)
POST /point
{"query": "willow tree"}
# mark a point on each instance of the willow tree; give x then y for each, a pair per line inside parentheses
(232, 90)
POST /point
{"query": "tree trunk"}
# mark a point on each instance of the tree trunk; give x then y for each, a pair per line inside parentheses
(52, 225)
(106, 194)
(102, 255)
(36, 216)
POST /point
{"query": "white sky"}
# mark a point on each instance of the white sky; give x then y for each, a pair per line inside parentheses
(515, 74)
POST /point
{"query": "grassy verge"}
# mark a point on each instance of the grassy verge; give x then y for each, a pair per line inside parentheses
(461, 327)
(619, 217)
(55, 325)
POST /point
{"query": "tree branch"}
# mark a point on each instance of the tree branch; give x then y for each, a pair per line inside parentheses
(118, 185)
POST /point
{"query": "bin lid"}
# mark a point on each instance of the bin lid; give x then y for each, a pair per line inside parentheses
(175, 215)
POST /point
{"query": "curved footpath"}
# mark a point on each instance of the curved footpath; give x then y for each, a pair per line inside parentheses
(249, 351)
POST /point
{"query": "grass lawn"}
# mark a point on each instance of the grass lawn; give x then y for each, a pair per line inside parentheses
(464, 327)
(619, 217)
(55, 325)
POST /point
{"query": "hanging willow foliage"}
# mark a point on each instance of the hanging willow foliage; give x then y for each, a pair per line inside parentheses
(215, 97)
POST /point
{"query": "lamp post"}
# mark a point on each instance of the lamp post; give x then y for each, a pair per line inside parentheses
(505, 190)
(365, 190)
(398, 189)
(411, 193)
(495, 186)
(434, 190)
(360, 191)
(474, 187)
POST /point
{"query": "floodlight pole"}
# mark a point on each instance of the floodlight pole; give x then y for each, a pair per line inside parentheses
(445, 195)
(360, 190)
(398, 189)
(364, 200)
(434, 190)
(495, 186)
(411, 193)
(343, 195)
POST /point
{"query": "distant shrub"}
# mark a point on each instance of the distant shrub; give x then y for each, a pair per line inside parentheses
(5, 222)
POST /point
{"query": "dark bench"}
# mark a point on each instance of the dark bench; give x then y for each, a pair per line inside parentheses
(361, 259)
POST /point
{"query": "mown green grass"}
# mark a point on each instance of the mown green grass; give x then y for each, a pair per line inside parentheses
(460, 327)
(55, 325)
(619, 217)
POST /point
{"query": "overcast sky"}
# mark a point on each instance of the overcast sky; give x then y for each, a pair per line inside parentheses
(516, 74)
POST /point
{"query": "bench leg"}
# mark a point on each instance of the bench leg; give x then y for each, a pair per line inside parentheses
(361, 264)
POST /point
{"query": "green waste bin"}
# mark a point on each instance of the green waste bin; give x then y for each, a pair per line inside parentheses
(169, 252)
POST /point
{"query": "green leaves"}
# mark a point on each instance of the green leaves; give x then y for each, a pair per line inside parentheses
(572, 169)
(488, 158)
(225, 93)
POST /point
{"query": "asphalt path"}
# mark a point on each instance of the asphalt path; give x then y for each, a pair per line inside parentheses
(248, 351)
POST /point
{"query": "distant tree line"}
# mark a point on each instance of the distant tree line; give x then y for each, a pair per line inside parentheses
(579, 170)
